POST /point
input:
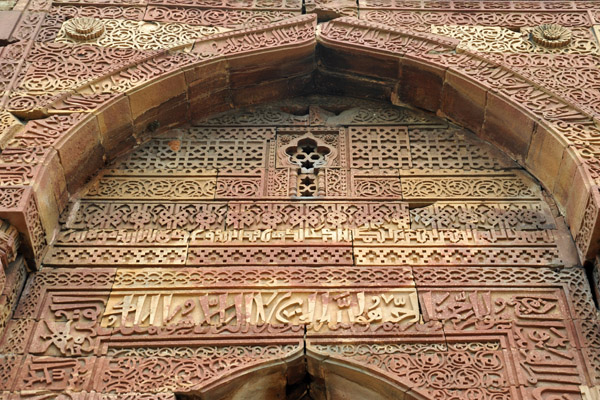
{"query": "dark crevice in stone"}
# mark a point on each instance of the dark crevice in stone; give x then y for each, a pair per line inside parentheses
(6, 42)
(589, 274)
(413, 206)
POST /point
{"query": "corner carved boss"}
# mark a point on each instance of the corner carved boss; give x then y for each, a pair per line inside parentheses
(306, 155)
(551, 35)
(84, 28)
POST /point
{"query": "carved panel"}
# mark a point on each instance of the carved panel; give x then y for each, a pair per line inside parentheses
(526, 216)
(272, 255)
(441, 149)
(491, 188)
(136, 215)
(8, 369)
(477, 5)
(315, 308)
(183, 374)
(153, 189)
(366, 185)
(437, 370)
(310, 215)
(102, 256)
(225, 4)
(74, 9)
(422, 20)
(457, 256)
(379, 148)
(16, 336)
(201, 151)
(240, 276)
(55, 373)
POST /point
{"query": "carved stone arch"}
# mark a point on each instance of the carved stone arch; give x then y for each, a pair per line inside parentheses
(227, 371)
(73, 132)
(310, 374)
(417, 371)
(364, 370)
(338, 377)
(269, 379)
(106, 115)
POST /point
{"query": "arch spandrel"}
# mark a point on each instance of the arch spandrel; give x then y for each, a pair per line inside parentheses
(518, 292)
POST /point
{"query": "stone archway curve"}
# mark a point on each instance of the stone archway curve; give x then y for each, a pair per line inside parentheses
(312, 372)
(76, 132)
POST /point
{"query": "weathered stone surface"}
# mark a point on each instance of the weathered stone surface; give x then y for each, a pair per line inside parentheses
(203, 232)
(8, 21)
(481, 249)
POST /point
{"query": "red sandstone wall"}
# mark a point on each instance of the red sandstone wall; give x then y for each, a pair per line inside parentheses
(493, 304)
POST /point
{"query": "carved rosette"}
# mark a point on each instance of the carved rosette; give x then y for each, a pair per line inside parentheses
(551, 35)
(309, 153)
(84, 28)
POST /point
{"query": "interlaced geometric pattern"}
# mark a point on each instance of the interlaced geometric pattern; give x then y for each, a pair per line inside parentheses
(379, 148)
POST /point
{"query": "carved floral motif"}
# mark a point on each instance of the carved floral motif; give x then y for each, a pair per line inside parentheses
(551, 35)
(84, 28)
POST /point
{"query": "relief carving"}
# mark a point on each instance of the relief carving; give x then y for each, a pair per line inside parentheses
(316, 309)
(386, 239)
(309, 235)
(83, 29)
(551, 35)
(308, 156)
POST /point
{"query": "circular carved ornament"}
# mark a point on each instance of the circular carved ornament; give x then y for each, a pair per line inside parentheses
(84, 28)
(551, 35)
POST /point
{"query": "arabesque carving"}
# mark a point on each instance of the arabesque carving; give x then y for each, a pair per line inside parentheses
(182, 218)
(121, 33)
(491, 39)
